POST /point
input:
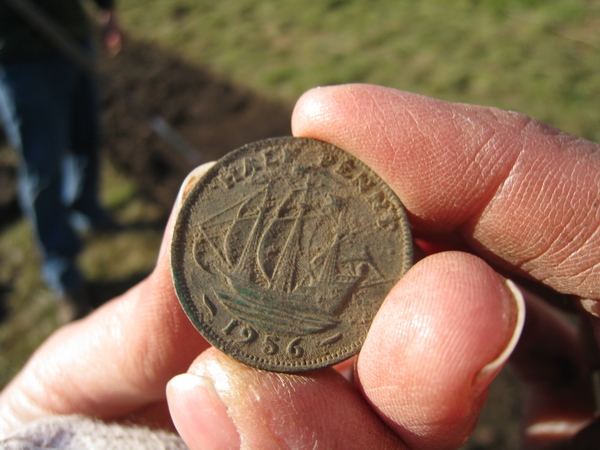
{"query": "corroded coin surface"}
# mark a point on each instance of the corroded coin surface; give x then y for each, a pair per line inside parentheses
(284, 250)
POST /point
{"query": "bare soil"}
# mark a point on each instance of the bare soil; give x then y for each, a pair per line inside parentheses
(209, 113)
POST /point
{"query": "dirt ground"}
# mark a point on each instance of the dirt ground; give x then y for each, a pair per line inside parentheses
(214, 117)
(209, 113)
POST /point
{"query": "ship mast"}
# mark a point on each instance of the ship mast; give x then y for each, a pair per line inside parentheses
(285, 273)
(244, 268)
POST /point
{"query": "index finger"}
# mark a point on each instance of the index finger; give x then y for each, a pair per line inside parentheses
(517, 191)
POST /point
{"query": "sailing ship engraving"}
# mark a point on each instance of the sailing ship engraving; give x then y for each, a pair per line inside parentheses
(284, 250)
(290, 265)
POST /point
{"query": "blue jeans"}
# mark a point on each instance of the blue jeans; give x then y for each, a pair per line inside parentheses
(49, 109)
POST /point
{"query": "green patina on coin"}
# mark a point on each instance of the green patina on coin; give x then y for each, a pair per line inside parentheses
(285, 249)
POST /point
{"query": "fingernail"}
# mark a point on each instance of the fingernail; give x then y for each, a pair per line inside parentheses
(591, 306)
(189, 182)
(490, 370)
(200, 415)
(187, 185)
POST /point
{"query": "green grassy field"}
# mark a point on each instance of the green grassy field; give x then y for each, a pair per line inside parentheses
(536, 57)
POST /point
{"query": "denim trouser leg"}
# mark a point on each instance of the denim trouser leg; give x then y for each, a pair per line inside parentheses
(36, 99)
(82, 161)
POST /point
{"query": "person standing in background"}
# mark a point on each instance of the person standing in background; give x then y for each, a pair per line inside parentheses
(50, 112)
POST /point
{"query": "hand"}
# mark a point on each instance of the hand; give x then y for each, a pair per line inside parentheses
(493, 183)
(520, 194)
(112, 35)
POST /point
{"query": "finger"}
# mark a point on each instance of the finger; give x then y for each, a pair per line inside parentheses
(439, 339)
(111, 31)
(559, 398)
(113, 41)
(222, 404)
(518, 191)
(116, 360)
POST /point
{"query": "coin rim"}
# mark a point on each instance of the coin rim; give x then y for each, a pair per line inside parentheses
(185, 296)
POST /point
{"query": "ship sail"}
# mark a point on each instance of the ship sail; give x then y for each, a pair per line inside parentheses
(285, 271)
(245, 268)
(265, 281)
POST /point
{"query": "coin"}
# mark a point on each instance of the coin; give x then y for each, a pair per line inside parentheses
(284, 251)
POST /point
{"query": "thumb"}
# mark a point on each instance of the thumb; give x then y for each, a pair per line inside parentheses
(223, 404)
(441, 336)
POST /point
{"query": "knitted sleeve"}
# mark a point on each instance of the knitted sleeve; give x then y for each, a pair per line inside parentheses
(84, 433)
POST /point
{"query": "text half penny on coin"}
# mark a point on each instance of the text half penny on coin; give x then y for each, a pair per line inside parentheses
(284, 251)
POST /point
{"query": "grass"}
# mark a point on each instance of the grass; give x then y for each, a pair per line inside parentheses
(536, 57)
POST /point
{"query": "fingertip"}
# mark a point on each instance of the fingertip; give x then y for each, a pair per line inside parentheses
(448, 318)
(319, 112)
(312, 109)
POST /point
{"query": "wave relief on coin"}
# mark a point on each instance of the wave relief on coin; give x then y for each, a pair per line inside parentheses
(284, 250)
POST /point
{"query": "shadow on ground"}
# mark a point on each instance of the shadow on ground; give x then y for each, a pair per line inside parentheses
(207, 111)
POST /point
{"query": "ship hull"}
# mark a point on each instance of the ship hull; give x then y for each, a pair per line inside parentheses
(283, 312)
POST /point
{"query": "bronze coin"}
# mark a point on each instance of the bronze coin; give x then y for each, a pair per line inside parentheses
(285, 249)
